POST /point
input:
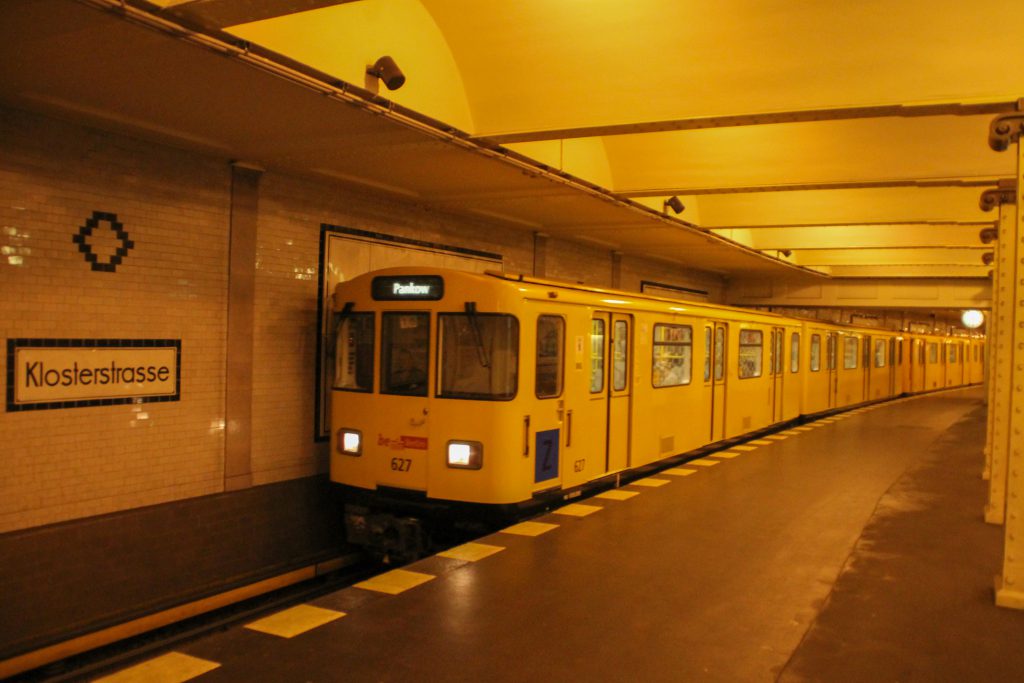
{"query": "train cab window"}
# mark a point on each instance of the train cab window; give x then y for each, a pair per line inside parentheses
(879, 353)
(794, 352)
(850, 352)
(751, 353)
(815, 352)
(707, 354)
(404, 353)
(672, 355)
(478, 356)
(596, 356)
(620, 354)
(550, 355)
(933, 352)
(719, 353)
(353, 353)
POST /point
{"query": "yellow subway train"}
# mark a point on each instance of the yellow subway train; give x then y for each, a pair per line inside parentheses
(460, 395)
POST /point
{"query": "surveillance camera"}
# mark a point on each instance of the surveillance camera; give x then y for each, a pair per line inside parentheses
(386, 70)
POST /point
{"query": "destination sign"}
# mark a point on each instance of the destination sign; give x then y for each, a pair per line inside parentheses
(416, 288)
(64, 373)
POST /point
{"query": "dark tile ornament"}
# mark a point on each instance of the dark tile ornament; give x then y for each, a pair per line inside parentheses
(85, 231)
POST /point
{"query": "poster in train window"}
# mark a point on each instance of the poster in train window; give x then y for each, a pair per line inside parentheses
(672, 355)
(348, 252)
(751, 353)
(850, 352)
(815, 352)
(596, 356)
(550, 354)
(794, 353)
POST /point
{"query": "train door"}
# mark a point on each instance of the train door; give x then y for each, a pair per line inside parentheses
(832, 346)
(776, 368)
(612, 331)
(867, 364)
(720, 333)
(893, 368)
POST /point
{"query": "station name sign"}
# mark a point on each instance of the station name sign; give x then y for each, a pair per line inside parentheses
(71, 373)
(416, 288)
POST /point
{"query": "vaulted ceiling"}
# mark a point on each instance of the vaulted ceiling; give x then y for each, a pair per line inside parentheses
(849, 138)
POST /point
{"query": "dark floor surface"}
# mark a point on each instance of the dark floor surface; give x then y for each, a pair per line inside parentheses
(855, 551)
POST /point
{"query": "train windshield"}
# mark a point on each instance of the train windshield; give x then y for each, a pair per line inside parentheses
(478, 356)
(404, 354)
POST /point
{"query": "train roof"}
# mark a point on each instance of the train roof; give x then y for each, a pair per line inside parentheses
(621, 298)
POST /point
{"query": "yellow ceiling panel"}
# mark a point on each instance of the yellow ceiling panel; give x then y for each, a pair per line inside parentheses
(856, 236)
(960, 256)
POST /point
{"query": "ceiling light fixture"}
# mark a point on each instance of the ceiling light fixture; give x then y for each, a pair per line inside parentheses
(673, 203)
(386, 70)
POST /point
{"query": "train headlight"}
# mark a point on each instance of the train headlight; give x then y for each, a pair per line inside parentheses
(466, 455)
(350, 441)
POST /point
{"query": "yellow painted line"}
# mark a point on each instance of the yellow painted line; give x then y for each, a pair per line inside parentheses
(529, 528)
(704, 462)
(776, 437)
(679, 472)
(745, 449)
(802, 429)
(291, 622)
(394, 582)
(578, 510)
(169, 668)
(789, 432)
(471, 552)
(726, 454)
(617, 494)
(650, 482)
(759, 442)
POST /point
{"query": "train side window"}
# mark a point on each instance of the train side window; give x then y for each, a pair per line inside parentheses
(794, 352)
(832, 352)
(933, 352)
(719, 353)
(671, 355)
(815, 352)
(550, 355)
(751, 353)
(353, 353)
(952, 353)
(976, 353)
(850, 352)
(404, 354)
(879, 353)
(707, 354)
(596, 356)
(478, 356)
(900, 351)
(620, 354)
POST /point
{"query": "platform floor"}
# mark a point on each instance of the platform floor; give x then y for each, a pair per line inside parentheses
(853, 550)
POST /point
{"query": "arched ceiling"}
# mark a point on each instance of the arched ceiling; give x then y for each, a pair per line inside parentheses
(850, 138)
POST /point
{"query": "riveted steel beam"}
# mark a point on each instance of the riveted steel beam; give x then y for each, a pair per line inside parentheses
(1009, 415)
(1004, 193)
(1005, 130)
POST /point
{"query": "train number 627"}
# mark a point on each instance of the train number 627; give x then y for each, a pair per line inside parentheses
(401, 464)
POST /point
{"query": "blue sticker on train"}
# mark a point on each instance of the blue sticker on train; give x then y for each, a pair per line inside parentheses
(547, 455)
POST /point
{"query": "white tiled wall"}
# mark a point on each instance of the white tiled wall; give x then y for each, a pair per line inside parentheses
(69, 463)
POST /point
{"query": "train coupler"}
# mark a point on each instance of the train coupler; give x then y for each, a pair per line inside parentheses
(388, 537)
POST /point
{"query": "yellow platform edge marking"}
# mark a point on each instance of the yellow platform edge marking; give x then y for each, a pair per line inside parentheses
(295, 620)
(578, 510)
(471, 552)
(704, 462)
(650, 482)
(759, 442)
(529, 528)
(679, 472)
(394, 582)
(617, 494)
(169, 668)
(776, 437)
(789, 432)
(725, 454)
(744, 449)
(802, 429)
